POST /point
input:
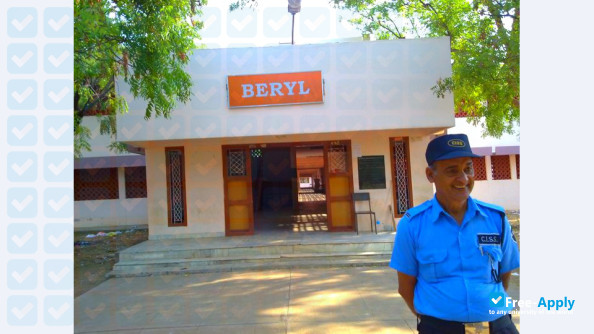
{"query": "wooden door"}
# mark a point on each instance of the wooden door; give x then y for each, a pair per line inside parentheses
(339, 186)
(239, 214)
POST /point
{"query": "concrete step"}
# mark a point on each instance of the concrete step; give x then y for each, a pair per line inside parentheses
(248, 263)
(256, 250)
(259, 252)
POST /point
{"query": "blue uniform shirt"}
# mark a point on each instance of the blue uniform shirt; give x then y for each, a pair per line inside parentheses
(452, 263)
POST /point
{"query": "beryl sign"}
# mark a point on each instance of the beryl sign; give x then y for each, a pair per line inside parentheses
(275, 89)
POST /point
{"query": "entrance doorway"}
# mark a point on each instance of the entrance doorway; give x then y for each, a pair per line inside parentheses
(311, 199)
(281, 201)
(292, 187)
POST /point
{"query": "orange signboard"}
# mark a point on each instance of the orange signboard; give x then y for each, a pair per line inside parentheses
(275, 89)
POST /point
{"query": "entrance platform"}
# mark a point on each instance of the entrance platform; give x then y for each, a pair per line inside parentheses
(262, 251)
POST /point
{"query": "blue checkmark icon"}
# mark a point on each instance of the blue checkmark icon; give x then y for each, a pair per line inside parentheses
(497, 299)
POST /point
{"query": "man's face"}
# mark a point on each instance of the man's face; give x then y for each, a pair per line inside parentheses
(453, 178)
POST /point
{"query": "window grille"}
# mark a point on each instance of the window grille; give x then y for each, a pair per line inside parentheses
(337, 159)
(518, 166)
(95, 184)
(135, 182)
(256, 153)
(175, 186)
(236, 163)
(500, 167)
(480, 169)
(401, 176)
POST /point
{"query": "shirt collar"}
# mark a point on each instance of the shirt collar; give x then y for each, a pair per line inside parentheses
(471, 210)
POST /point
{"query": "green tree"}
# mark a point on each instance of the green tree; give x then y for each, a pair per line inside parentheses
(485, 49)
(147, 43)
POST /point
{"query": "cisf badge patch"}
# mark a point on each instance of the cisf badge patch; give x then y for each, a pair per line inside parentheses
(489, 238)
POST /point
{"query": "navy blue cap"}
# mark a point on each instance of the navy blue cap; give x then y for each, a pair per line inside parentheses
(449, 147)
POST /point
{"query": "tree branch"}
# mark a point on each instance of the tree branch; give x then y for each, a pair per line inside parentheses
(396, 26)
(443, 24)
(397, 33)
(107, 89)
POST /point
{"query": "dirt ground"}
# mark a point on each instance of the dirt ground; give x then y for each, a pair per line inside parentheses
(95, 257)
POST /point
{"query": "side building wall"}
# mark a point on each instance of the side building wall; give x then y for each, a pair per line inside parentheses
(111, 213)
(94, 210)
(505, 192)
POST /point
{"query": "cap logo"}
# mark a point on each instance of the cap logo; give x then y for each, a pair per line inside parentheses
(456, 143)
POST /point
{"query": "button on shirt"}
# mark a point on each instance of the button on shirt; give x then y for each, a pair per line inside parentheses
(453, 270)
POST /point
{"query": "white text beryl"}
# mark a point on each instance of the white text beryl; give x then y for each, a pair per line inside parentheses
(274, 88)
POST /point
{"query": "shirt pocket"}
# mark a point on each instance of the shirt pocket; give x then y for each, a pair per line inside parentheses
(491, 257)
(432, 264)
(494, 251)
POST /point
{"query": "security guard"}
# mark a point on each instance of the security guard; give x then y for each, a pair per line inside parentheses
(454, 254)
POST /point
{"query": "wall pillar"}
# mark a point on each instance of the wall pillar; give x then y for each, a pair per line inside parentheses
(488, 168)
(121, 183)
(512, 161)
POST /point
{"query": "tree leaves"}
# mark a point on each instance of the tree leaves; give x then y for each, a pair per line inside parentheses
(484, 39)
(146, 43)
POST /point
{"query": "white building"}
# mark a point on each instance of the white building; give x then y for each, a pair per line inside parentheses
(213, 170)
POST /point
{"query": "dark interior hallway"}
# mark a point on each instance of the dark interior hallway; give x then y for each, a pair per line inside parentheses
(280, 202)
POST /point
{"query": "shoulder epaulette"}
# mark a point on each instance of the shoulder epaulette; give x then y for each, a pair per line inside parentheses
(490, 206)
(417, 209)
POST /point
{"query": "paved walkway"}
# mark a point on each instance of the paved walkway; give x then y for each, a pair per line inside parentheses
(345, 300)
